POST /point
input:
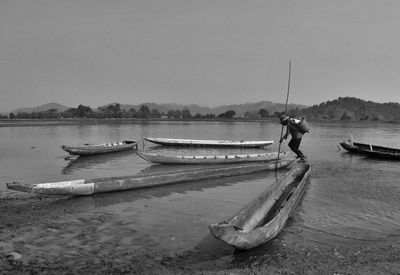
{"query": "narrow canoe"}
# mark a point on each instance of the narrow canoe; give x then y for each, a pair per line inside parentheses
(371, 150)
(209, 143)
(382, 154)
(263, 218)
(210, 159)
(104, 185)
(91, 149)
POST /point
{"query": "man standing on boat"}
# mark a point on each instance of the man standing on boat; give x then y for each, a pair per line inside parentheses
(297, 130)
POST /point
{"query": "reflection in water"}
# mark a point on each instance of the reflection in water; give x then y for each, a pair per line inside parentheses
(160, 168)
(85, 131)
(88, 162)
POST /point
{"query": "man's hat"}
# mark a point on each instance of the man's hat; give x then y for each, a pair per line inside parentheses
(283, 118)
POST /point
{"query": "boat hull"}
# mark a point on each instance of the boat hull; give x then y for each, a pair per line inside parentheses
(104, 185)
(217, 159)
(266, 216)
(372, 150)
(391, 155)
(208, 143)
(88, 150)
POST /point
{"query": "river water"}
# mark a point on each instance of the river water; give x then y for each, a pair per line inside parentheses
(350, 200)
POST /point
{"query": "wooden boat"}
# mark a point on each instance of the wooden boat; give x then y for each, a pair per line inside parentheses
(371, 150)
(91, 149)
(103, 185)
(210, 159)
(263, 218)
(208, 143)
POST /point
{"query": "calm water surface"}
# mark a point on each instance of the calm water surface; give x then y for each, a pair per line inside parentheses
(351, 199)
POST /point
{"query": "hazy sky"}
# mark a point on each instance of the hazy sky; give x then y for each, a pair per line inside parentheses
(208, 52)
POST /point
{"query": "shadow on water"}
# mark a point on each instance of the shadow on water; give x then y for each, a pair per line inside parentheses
(216, 252)
(362, 159)
(87, 162)
(211, 249)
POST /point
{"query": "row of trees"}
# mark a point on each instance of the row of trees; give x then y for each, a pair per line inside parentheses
(343, 108)
(115, 111)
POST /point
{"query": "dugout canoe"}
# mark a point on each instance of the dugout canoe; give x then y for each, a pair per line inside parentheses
(374, 151)
(210, 159)
(104, 185)
(93, 149)
(263, 218)
(209, 143)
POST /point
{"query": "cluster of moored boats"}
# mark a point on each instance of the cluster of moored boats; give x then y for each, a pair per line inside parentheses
(255, 224)
(258, 222)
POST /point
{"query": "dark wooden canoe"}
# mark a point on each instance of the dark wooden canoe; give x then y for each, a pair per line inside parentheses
(209, 143)
(371, 150)
(103, 185)
(393, 154)
(263, 218)
(210, 159)
(91, 149)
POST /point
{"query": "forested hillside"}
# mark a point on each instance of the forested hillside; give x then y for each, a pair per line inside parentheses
(351, 108)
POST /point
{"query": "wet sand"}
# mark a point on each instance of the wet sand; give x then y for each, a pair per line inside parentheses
(24, 216)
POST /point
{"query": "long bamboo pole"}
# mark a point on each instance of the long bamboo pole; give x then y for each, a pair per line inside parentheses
(287, 99)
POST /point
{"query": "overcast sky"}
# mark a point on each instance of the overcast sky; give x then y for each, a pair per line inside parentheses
(208, 52)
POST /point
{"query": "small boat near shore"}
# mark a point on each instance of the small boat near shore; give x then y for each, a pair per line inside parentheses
(371, 150)
(93, 149)
(210, 159)
(104, 185)
(209, 143)
(263, 218)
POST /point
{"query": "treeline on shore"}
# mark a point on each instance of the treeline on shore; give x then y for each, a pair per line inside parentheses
(343, 108)
(115, 111)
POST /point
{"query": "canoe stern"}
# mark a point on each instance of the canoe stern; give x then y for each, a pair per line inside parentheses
(239, 238)
(17, 186)
(74, 187)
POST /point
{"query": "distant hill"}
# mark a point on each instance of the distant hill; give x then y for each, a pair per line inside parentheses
(351, 108)
(44, 107)
(240, 109)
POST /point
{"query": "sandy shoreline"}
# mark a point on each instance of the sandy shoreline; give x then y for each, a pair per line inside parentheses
(23, 215)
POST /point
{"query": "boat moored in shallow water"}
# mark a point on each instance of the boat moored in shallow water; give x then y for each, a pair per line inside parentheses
(211, 159)
(93, 149)
(209, 143)
(104, 185)
(264, 217)
(370, 150)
